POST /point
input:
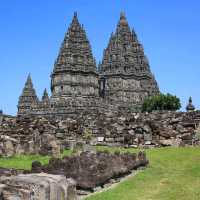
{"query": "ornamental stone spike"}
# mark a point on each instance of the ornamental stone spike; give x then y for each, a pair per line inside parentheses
(28, 97)
(123, 25)
(29, 83)
(45, 96)
(122, 15)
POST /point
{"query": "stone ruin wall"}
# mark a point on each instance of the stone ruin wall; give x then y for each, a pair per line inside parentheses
(50, 136)
(67, 107)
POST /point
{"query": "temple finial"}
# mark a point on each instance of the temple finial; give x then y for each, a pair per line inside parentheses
(122, 15)
(75, 14)
(29, 83)
(75, 19)
(123, 22)
(45, 96)
(29, 77)
(190, 107)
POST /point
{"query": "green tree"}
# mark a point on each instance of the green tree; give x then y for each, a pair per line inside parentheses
(161, 102)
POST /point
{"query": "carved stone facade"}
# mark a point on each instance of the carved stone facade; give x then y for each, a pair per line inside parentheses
(124, 78)
(75, 71)
(126, 69)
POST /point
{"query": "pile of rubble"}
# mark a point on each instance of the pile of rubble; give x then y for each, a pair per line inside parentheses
(154, 129)
(48, 136)
(69, 178)
(28, 136)
(91, 170)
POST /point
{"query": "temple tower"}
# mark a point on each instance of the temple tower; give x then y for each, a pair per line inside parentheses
(28, 98)
(45, 96)
(125, 68)
(75, 73)
(190, 107)
(124, 77)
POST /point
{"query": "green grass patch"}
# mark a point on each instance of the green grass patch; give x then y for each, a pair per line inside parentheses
(173, 174)
(25, 161)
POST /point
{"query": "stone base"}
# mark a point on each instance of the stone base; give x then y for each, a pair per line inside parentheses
(61, 108)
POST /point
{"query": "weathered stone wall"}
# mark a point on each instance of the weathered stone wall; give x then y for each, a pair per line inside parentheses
(71, 106)
(49, 136)
(28, 136)
(145, 130)
(77, 84)
(125, 90)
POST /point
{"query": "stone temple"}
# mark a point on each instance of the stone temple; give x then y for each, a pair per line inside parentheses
(125, 68)
(123, 79)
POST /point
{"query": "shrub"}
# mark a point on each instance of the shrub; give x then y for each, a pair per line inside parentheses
(161, 102)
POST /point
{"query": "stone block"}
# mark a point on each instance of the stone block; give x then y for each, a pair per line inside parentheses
(38, 187)
(100, 139)
(119, 139)
(109, 139)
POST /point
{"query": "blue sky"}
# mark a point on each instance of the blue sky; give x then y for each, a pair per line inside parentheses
(31, 33)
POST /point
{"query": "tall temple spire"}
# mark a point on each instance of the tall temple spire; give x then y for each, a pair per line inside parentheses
(28, 97)
(126, 67)
(75, 52)
(125, 47)
(75, 60)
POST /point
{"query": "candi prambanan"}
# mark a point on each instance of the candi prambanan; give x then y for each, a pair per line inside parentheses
(122, 81)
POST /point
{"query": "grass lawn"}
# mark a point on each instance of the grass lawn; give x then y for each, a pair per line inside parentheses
(25, 161)
(173, 174)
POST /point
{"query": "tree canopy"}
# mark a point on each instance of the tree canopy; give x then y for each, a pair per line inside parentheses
(161, 102)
